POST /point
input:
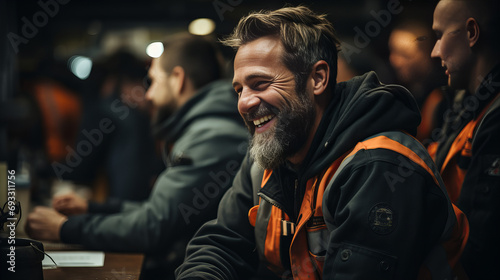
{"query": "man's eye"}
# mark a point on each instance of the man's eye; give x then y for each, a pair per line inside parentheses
(238, 91)
(261, 85)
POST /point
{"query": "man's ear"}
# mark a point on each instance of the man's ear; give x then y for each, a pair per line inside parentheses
(472, 31)
(177, 79)
(320, 75)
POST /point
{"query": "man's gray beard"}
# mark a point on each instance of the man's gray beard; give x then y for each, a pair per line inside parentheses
(291, 130)
(267, 150)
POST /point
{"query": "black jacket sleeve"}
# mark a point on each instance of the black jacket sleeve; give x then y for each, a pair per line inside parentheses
(109, 207)
(183, 198)
(225, 248)
(479, 200)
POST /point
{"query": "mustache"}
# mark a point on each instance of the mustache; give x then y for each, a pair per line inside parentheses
(262, 110)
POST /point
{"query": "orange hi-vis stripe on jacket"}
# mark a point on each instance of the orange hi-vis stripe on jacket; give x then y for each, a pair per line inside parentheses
(311, 235)
(453, 175)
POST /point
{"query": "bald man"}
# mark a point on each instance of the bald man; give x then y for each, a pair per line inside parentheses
(468, 152)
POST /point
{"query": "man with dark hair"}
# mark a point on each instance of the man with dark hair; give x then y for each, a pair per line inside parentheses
(205, 142)
(334, 185)
(468, 150)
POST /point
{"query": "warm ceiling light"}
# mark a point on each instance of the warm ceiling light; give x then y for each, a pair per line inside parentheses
(201, 26)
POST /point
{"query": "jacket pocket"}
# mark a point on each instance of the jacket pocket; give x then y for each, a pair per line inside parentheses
(317, 239)
(355, 262)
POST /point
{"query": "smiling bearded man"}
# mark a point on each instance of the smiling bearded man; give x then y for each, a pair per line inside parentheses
(282, 129)
(333, 182)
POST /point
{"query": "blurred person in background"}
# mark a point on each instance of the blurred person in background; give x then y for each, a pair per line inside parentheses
(54, 98)
(410, 45)
(204, 141)
(60, 107)
(106, 163)
(468, 149)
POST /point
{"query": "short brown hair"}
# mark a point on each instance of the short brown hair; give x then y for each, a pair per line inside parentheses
(306, 37)
(197, 55)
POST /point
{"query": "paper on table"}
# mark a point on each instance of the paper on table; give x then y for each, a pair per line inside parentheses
(74, 259)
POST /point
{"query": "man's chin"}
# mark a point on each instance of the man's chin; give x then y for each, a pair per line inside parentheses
(156, 120)
(455, 83)
(160, 115)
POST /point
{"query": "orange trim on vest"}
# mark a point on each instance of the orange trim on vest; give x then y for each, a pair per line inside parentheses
(266, 176)
(273, 237)
(252, 215)
(324, 183)
(432, 150)
(303, 266)
(383, 142)
(453, 175)
(429, 106)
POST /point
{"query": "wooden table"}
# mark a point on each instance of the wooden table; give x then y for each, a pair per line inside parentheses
(116, 266)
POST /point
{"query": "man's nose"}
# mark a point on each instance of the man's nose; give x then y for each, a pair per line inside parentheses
(436, 51)
(149, 94)
(247, 101)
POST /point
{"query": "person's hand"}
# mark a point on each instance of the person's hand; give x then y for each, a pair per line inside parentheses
(45, 224)
(70, 204)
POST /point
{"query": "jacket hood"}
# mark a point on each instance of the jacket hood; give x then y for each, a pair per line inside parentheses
(214, 99)
(360, 108)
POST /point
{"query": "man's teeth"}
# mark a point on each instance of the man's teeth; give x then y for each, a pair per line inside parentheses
(260, 121)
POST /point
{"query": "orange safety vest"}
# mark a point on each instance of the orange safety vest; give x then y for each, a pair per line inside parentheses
(429, 107)
(453, 176)
(311, 236)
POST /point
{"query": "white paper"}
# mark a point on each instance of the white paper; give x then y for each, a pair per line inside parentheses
(74, 259)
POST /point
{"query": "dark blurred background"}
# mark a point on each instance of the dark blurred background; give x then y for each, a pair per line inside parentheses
(97, 28)
(71, 44)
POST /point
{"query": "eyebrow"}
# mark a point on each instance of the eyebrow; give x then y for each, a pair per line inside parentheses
(253, 76)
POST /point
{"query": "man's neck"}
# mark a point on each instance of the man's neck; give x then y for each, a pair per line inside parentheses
(482, 68)
(297, 159)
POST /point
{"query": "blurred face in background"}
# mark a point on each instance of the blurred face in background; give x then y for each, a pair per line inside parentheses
(161, 92)
(133, 94)
(409, 56)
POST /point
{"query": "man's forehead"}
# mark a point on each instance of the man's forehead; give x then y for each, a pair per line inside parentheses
(267, 45)
(264, 41)
(449, 12)
(256, 62)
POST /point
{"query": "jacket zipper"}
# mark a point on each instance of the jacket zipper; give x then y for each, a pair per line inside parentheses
(270, 200)
(295, 203)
